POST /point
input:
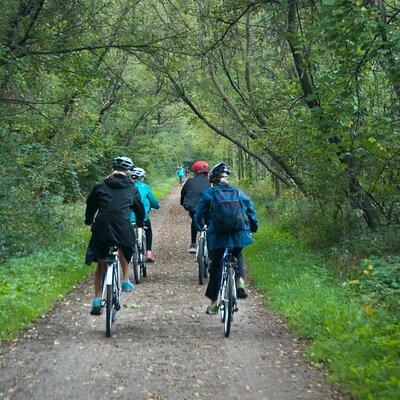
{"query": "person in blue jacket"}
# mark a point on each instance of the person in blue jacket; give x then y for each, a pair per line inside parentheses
(218, 241)
(180, 173)
(149, 201)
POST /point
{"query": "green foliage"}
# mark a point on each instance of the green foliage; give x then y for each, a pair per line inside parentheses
(30, 285)
(358, 341)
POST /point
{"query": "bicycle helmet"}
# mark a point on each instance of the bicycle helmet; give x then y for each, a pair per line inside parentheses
(138, 173)
(219, 171)
(200, 167)
(122, 163)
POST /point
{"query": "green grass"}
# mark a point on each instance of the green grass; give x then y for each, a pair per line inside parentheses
(357, 340)
(30, 285)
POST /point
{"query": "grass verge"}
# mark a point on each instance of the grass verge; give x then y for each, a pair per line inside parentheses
(359, 342)
(30, 285)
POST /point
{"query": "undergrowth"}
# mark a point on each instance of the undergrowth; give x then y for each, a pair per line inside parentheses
(353, 325)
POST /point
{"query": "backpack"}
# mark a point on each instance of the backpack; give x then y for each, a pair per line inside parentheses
(227, 211)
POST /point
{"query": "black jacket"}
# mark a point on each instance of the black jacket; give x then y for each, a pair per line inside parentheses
(114, 199)
(192, 190)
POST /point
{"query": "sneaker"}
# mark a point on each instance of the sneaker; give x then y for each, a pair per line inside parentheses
(97, 306)
(212, 309)
(150, 256)
(127, 286)
(240, 292)
(193, 248)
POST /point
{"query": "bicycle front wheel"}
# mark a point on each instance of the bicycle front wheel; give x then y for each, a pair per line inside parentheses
(229, 303)
(200, 260)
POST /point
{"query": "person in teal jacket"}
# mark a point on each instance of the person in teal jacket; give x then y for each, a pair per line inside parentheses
(149, 201)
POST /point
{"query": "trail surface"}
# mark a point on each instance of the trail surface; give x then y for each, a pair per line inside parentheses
(164, 346)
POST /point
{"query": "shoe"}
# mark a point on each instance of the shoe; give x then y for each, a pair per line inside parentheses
(150, 256)
(97, 306)
(240, 292)
(212, 309)
(127, 286)
(193, 248)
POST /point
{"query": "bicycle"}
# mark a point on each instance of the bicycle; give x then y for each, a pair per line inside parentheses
(139, 254)
(202, 256)
(111, 288)
(228, 302)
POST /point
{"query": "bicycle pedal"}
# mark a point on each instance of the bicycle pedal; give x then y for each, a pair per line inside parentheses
(117, 306)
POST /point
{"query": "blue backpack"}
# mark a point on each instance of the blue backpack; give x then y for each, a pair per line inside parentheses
(227, 211)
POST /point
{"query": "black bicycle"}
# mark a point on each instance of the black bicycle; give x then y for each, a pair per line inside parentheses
(228, 302)
(202, 258)
(111, 288)
(139, 254)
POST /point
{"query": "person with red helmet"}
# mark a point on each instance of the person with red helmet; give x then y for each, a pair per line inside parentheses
(191, 194)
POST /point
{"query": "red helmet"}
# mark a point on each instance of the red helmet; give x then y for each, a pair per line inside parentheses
(200, 167)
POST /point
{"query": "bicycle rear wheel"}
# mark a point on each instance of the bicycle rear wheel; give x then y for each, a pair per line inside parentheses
(109, 308)
(229, 303)
(137, 272)
(200, 260)
(144, 251)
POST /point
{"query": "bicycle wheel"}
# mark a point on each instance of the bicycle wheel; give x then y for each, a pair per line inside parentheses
(200, 260)
(144, 251)
(229, 303)
(109, 308)
(137, 273)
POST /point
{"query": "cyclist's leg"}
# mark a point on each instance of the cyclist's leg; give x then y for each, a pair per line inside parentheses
(240, 285)
(98, 277)
(149, 234)
(127, 285)
(149, 242)
(215, 274)
(193, 233)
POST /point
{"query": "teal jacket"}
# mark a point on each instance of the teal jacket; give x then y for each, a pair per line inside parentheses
(148, 198)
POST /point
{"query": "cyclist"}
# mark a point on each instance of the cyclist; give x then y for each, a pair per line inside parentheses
(149, 201)
(191, 193)
(109, 205)
(180, 172)
(219, 239)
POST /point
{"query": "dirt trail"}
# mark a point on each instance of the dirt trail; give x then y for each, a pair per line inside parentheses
(164, 345)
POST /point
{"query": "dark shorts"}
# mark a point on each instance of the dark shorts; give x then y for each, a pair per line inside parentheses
(101, 251)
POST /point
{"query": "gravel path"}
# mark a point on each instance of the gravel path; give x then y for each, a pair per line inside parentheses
(164, 346)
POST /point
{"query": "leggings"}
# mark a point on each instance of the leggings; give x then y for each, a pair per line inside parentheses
(149, 234)
(193, 230)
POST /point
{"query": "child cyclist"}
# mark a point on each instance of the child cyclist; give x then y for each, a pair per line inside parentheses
(108, 210)
(149, 201)
(235, 233)
(191, 193)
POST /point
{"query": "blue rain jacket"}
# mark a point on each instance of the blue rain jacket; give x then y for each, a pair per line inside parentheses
(217, 240)
(148, 198)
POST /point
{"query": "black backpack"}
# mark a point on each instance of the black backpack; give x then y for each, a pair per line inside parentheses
(227, 211)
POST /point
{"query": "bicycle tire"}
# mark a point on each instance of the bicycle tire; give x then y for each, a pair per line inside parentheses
(144, 250)
(206, 267)
(229, 303)
(200, 261)
(137, 271)
(109, 309)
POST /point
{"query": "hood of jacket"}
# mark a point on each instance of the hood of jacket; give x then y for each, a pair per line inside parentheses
(117, 181)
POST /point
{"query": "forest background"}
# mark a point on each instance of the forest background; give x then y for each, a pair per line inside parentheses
(301, 98)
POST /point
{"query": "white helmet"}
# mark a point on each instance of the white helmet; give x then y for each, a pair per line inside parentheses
(138, 173)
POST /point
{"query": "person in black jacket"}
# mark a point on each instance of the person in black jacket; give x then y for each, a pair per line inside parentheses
(191, 194)
(109, 205)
